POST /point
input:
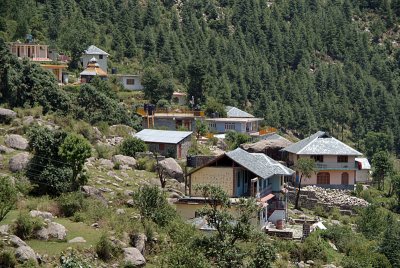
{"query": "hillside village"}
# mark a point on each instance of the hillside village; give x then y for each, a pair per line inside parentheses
(103, 166)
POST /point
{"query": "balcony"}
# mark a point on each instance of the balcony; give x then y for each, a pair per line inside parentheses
(335, 166)
(265, 192)
(171, 112)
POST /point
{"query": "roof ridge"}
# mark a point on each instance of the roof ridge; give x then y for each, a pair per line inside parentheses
(312, 140)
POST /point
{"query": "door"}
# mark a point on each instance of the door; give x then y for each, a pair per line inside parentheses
(323, 178)
(179, 150)
(345, 178)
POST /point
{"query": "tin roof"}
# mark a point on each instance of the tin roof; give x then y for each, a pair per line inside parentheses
(321, 143)
(93, 50)
(364, 162)
(162, 136)
(237, 113)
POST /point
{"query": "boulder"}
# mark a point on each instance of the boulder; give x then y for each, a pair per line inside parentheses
(94, 192)
(124, 160)
(6, 115)
(77, 240)
(4, 229)
(15, 241)
(19, 162)
(53, 230)
(128, 193)
(5, 150)
(106, 163)
(120, 130)
(28, 120)
(172, 169)
(221, 144)
(120, 211)
(16, 142)
(25, 253)
(41, 214)
(130, 203)
(134, 257)
(139, 242)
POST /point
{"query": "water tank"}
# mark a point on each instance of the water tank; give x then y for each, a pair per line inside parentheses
(113, 70)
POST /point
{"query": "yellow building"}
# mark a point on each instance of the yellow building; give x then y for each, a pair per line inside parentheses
(335, 162)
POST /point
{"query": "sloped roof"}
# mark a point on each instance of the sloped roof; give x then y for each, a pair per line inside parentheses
(93, 69)
(321, 143)
(260, 164)
(93, 50)
(364, 162)
(162, 136)
(237, 113)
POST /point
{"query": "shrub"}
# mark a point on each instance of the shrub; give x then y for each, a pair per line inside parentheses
(335, 213)
(25, 226)
(315, 248)
(105, 249)
(7, 259)
(71, 260)
(70, 203)
(146, 163)
(104, 151)
(8, 196)
(359, 189)
(130, 146)
(320, 211)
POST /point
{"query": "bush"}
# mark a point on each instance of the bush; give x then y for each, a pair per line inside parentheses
(335, 213)
(320, 211)
(131, 146)
(146, 163)
(7, 259)
(104, 151)
(25, 226)
(70, 203)
(71, 260)
(8, 196)
(105, 249)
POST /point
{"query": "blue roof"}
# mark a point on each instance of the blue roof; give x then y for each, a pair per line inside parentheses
(162, 136)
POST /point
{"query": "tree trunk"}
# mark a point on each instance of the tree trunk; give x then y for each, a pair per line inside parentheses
(296, 206)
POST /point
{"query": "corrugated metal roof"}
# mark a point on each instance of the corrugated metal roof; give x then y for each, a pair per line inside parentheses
(321, 143)
(364, 162)
(237, 113)
(162, 136)
(260, 164)
(93, 50)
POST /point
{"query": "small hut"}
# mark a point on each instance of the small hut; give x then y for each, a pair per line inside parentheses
(92, 69)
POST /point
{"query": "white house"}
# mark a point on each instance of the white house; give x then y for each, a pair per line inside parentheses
(130, 81)
(100, 55)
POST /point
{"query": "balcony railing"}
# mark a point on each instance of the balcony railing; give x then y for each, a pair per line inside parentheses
(333, 165)
(168, 111)
(265, 192)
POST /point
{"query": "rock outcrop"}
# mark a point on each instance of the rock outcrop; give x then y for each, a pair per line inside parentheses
(19, 162)
(172, 169)
(25, 253)
(77, 240)
(134, 257)
(41, 214)
(7, 115)
(124, 160)
(53, 230)
(16, 142)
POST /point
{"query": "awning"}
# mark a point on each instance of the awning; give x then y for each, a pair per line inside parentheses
(267, 197)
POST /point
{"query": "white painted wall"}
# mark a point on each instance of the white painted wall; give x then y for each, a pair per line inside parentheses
(136, 86)
(277, 215)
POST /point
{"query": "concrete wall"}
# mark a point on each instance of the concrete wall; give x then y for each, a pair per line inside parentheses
(168, 123)
(335, 177)
(102, 62)
(276, 183)
(171, 150)
(277, 215)
(218, 176)
(220, 127)
(327, 158)
(136, 86)
(363, 175)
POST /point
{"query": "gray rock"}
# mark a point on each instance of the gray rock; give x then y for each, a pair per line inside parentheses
(53, 230)
(6, 115)
(120, 211)
(19, 162)
(139, 242)
(128, 193)
(172, 169)
(16, 142)
(15, 241)
(332, 245)
(130, 203)
(5, 150)
(25, 253)
(124, 160)
(77, 240)
(4, 229)
(106, 163)
(41, 214)
(97, 133)
(94, 192)
(134, 257)
(28, 120)
(310, 262)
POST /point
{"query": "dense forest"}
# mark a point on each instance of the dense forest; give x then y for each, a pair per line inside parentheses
(302, 65)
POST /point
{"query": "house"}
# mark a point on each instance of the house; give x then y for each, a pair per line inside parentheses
(236, 120)
(94, 52)
(363, 170)
(130, 81)
(166, 142)
(179, 98)
(170, 119)
(335, 162)
(38, 53)
(241, 174)
(92, 69)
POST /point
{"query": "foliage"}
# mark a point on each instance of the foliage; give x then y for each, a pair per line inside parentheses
(390, 245)
(157, 83)
(383, 166)
(305, 167)
(70, 203)
(105, 249)
(152, 205)
(201, 128)
(7, 259)
(8, 196)
(213, 107)
(71, 260)
(132, 145)
(377, 141)
(75, 150)
(25, 226)
(372, 222)
(264, 255)
(235, 139)
(182, 256)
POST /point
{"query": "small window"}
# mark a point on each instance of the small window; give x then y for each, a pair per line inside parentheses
(318, 158)
(229, 126)
(161, 147)
(212, 125)
(130, 81)
(342, 159)
(100, 57)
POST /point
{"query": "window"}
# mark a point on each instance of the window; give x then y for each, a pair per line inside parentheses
(100, 57)
(342, 159)
(229, 126)
(318, 158)
(161, 147)
(212, 125)
(130, 81)
(345, 178)
(323, 178)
